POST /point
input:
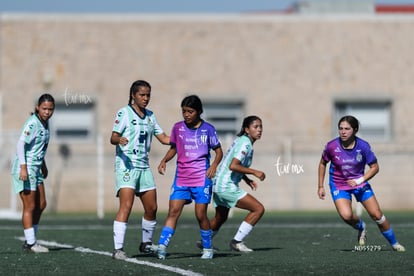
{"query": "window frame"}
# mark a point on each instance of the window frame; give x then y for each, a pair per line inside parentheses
(63, 123)
(225, 114)
(357, 106)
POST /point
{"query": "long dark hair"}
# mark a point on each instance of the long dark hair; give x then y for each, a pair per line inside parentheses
(135, 87)
(246, 123)
(44, 98)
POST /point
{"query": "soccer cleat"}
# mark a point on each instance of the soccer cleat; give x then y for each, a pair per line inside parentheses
(36, 248)
(199, 245)
(208, 253)
(147, 247)
(162, 252)
(362, 236)
(119, 254)
(239, 246)
(398, 247)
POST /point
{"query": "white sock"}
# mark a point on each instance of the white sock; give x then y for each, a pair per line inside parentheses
(243, 231)
(119, 234)
(29, 235)
(148, 228)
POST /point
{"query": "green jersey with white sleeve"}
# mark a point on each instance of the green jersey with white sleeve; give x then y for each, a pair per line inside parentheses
(227, 180)
(35, 136)
(139, 132)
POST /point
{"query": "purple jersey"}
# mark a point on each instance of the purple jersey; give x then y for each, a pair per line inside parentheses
(193, 152)
(347, 164)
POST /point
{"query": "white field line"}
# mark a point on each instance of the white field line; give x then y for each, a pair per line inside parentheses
(109, 254)
(229, 225)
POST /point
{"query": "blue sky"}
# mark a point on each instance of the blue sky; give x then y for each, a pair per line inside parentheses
(153, 6)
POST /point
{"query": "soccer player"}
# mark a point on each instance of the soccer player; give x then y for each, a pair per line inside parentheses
(29, 170)
(226, 191)
(191, 139)
(132, 134)
(349, 155)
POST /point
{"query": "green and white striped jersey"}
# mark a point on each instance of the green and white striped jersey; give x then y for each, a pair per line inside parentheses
(139, 132)
(35, 136)
(226, 179)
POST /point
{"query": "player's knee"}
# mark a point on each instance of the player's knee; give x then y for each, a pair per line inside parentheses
(380, 220)
(150, 212)
(259, 209)
(346, 214)
(123, 213)
(262, 209)
(174, 213)
(31, 207)
(348, 218)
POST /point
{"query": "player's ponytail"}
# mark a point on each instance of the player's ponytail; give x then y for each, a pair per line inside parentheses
(246, 123)
(44, 98)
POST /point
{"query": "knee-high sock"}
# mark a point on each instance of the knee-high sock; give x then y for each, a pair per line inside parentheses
(166, 235)
(206, 236)
(360, 225)
(148, 227)
(29, 235)
(119, 234)
(243, 231)
(390, 236)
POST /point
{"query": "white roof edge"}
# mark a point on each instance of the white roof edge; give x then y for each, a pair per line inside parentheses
(199, 17)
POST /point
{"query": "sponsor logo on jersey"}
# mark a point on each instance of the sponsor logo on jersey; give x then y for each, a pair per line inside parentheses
(359, 156)
(126, 177)
(203, 138)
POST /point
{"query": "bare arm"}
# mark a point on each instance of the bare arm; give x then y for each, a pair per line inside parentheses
(163, 138)
(321, 178)
(168, 156)
(44, 169)
(372, 171)
(117, 139)
(211, 172)
(236, 166)
(252, 184)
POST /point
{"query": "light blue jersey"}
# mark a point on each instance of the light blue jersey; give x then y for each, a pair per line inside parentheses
(35, 136)
(139, 132)
(227, 180)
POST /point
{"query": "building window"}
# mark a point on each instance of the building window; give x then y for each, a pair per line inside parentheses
(225, 115)
(374, 117)
(74, 122)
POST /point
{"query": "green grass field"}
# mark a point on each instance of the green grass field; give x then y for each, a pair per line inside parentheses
(285, 243)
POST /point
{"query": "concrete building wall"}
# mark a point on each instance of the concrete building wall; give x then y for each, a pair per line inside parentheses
(287, 69)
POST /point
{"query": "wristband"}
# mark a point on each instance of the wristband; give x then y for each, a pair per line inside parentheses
(360, 180)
